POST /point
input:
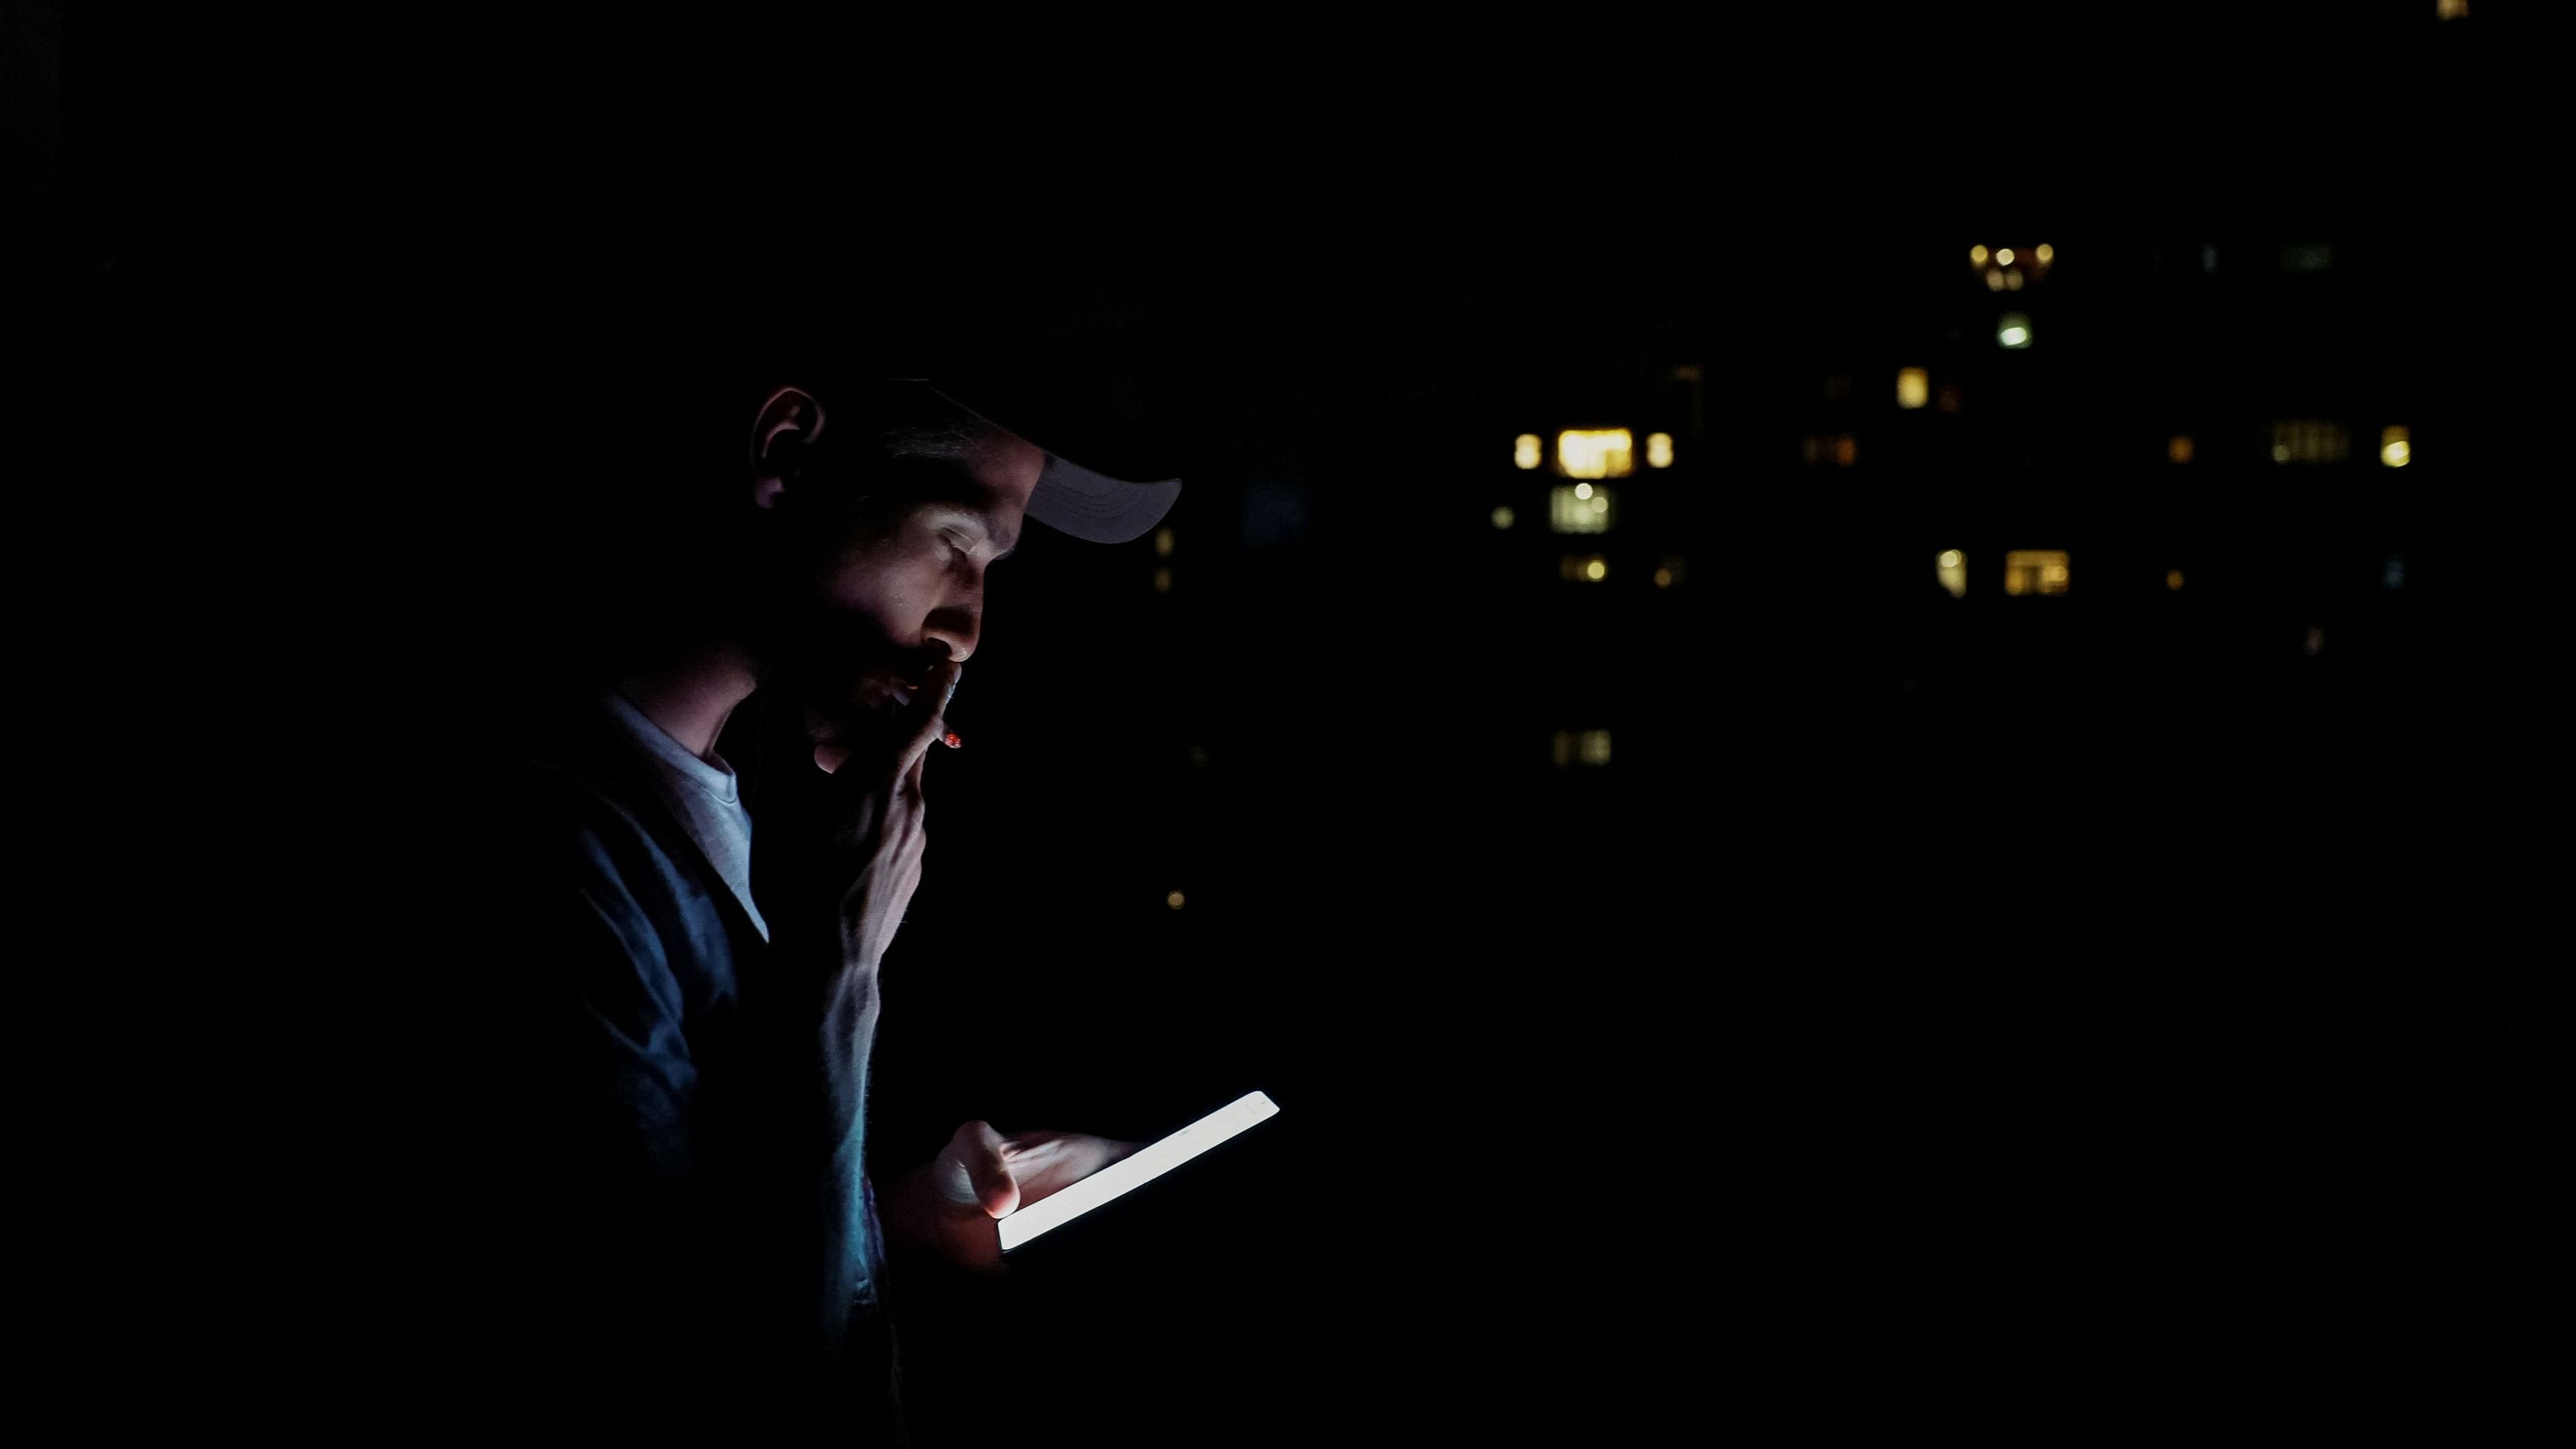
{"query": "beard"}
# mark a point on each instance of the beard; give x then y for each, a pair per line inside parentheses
(831, 678)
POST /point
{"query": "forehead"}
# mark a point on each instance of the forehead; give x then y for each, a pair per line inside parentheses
(1005, 469)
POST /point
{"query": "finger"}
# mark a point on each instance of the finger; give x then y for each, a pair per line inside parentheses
(983, 1152)
(922, 722)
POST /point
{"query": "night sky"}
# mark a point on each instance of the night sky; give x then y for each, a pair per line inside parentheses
(2099, 1017)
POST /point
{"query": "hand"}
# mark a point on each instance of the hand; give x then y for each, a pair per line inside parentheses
(837, 853)
(948, 1206)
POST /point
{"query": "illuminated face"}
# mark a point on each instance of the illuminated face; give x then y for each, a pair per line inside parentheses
(882, 599)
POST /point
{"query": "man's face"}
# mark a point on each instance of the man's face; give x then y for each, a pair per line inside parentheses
(890, 598)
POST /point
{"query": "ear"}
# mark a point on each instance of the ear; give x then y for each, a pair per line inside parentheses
(785, 426)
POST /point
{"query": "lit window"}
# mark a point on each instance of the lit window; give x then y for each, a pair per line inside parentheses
(2173, 579)
(1525, 451)
(2307, 257)
(1581, 508)
(1913, 387)
(2012, 279)
(2394, 450)
(1659, 450)
(1583, 568)
(2178, 448)
(1162, 581)
(1954, 572)
(2450, 9)
(1947, 399)
(1175, 900)
(1994, 281)
(2012, 330)
(1503, 516)
(2035, 571)
(2310, 440)
(1846, 450)
(1668, 573)
(2003, 258)
(1163, 541)
(1977, 256)
(1596, 453)
(2045, 253)
(1582, 747)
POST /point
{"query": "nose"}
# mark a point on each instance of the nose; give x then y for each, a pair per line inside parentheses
(956, 626)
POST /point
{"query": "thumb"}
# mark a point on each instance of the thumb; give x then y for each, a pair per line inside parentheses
(978, 1148)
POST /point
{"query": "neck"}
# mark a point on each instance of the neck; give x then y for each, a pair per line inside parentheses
(691, 692)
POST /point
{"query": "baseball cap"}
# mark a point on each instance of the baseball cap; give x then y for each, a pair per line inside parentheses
(1120, 493)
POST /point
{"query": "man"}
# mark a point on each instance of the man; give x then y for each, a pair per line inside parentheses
(652, 1147)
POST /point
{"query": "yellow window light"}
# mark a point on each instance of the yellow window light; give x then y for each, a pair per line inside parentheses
(2045, 253)
(1913, 387)
(1994, 281)
(2178, 448)
(1175, 900)
(1596, 571)
(2394, 450)
(1977, 256)
(1583, 568)
(1526, 450)
(1953, 566)
(2310, 440)
(2035, 571)
(1595, 453)
(2012, 331)
(2173, 579)
(2450, 9)
(1592, 747)
(1583, 508)
(1504, 517)
(2004, 257)
(1163, 541)
(1659, 450)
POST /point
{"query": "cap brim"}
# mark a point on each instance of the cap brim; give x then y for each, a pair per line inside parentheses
(1097, 508)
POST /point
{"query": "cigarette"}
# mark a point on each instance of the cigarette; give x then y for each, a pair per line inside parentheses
(950, 739)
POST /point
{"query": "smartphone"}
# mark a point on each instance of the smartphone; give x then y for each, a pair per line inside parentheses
(1136, 1169)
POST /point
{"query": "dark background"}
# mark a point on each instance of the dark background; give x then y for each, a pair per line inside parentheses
(2091, 1015)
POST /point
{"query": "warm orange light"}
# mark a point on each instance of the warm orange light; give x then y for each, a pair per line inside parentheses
(1846, 449)
(1977, 256)
(2173, 579)
(1659, 450)
(2045, 253)
(1913, 387)
(2035, 571)
(2450, 9)
(1526, 450)
(2178, 448)
(1175, 900)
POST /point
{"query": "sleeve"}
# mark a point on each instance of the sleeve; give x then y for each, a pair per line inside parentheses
(676, 1224)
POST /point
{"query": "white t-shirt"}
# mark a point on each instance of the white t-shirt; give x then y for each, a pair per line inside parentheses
(701, 793)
